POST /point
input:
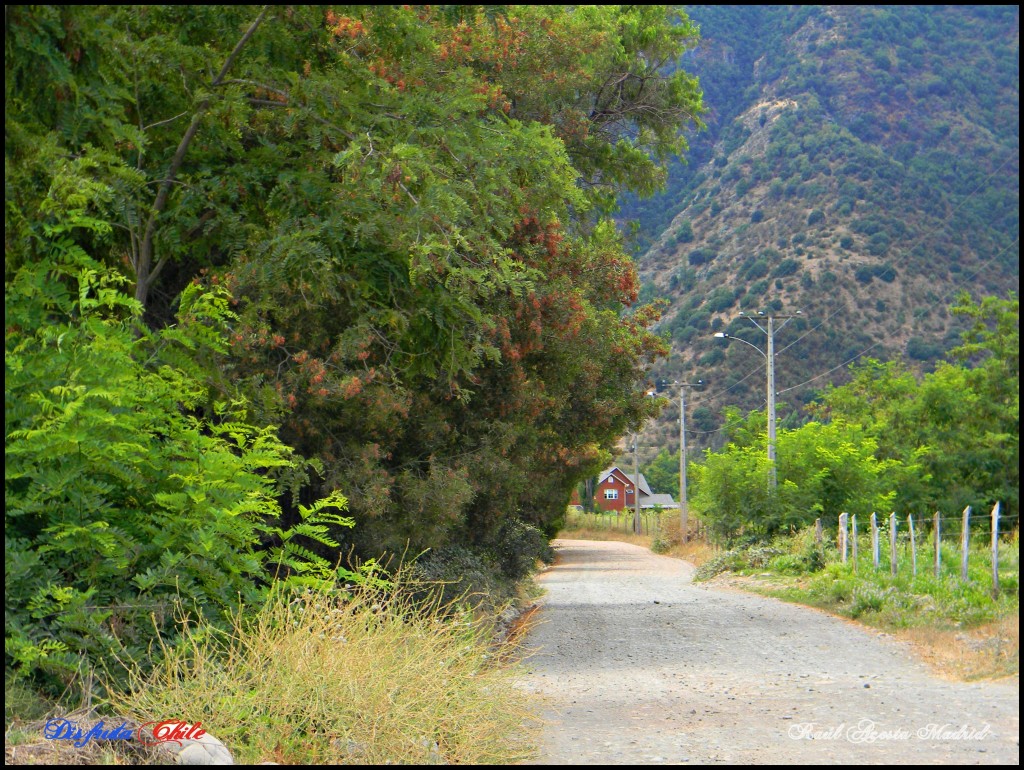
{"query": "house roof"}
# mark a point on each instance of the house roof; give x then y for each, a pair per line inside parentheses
(645, 488)
(650, 501)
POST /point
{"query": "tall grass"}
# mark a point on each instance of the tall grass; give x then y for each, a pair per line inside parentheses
(375, 677)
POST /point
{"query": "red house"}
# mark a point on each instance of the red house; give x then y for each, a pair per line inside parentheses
(616, 490)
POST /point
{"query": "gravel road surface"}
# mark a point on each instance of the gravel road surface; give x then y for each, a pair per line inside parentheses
(636, 664)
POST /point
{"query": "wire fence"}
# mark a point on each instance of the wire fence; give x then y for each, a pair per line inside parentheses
(969, 547)
(963, 546)
(651, 522)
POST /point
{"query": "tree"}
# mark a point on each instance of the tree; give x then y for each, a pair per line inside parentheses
(823, 470)
(662, 473)
(960, 423)
(408, 207)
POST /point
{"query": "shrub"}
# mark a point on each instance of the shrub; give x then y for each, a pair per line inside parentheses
(519, 547)
(660, 545)
(921, 349)
(757, 269)
(723, 562)
(786, 267)
(701, 256)
(131, 489)
(721, 299)
(460, 572)
(866, 598)
(787, 564)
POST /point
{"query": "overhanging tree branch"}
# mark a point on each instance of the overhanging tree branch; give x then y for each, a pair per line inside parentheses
(144, 275)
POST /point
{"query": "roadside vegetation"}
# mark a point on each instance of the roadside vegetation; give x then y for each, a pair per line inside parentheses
(374, 677)
(376, 674)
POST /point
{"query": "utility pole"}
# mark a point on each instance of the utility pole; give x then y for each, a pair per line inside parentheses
(684, 508)
(637, 525)
(772, 478)
(770, 364)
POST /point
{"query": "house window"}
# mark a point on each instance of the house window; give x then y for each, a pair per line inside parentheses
(611, 494)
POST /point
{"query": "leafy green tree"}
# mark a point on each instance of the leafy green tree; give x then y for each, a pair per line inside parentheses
(662, 473)
(960, 422)
(408, 205)
(822, 471)
(134, 493)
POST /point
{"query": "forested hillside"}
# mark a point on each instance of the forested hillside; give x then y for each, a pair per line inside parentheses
(861, 165)
(288, 287)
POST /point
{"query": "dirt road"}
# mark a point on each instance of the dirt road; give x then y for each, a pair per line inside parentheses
(638, 665)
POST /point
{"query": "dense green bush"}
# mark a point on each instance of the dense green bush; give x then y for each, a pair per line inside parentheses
(822, 470)
(786, 267)
(134, 491)
(701, 256)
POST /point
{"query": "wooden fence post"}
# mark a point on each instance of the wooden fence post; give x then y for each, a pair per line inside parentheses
(874, 540)
(892, 544)
(842, 535)
(965, 538)
(913, 545)
(938, 545)
(995, 550)
(853, 540)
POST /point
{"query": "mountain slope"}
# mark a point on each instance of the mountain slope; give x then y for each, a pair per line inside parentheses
(861, 165)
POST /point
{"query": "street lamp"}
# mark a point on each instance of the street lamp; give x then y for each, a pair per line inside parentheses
(684, 509)
(769, 358)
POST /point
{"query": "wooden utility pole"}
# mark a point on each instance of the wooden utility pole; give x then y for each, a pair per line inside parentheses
(684, 505)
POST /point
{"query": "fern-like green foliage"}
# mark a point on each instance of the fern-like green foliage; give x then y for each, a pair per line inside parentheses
(133, 492)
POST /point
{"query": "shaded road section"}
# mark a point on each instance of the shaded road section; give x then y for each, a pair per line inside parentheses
(636, 664)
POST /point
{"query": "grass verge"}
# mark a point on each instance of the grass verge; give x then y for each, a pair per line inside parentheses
(376, 677)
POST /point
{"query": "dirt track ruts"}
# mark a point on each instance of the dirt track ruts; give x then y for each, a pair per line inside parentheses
(638, 665)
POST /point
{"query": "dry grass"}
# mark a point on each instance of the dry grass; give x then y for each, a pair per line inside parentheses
(696, 552)
(991, 651)
(373, 678)
(586, 533)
